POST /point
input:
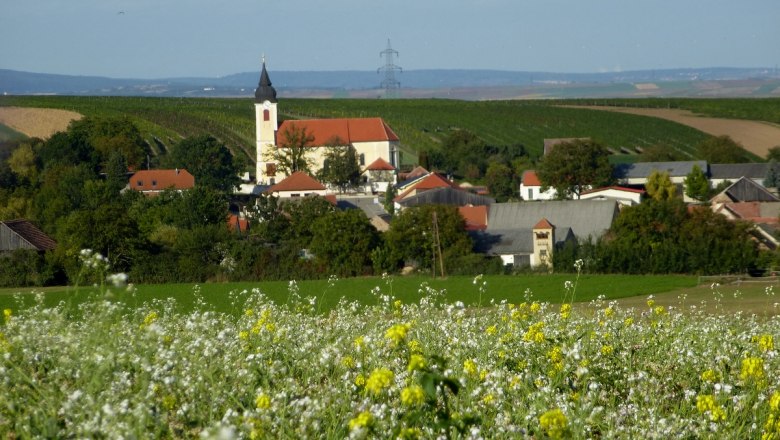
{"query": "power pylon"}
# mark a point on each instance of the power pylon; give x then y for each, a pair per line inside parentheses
(390, 84)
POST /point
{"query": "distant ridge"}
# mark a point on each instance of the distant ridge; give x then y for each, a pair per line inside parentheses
(418, 83)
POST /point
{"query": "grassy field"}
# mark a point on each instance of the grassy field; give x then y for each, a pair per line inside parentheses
(227, 297)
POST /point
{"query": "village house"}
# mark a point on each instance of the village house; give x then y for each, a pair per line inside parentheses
(623, 195)
(372, 138)
(531, 187)
(22, 234)
(152, 182)
(298, 184)
(746, 200)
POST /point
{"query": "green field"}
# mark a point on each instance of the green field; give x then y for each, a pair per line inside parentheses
(9, 134)
(228, 297)
(420, 123)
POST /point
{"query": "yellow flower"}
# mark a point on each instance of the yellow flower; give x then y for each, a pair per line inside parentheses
(249, 312)
(565, 311)
(263, 401)
(535, 307)
(491, 330)
(360, 380)
(488, 398)
(169, 402)
(628, 321)
(752, 369)
(413, 395)
(774, 401)
(7, 315)
(709, 376)
(609, 311)
(359, 342)
(410, 434)
(607, 350)
(364, 419)
(378, 380)
(470, 367)
(706, 403)
(149, 319)
(534, 333)
(554, 423)
(243, 335)
(415, 346)
(397, 334)
(765, 342)
(659, 310)
(348, 362)
(650, 303)
(416, 362)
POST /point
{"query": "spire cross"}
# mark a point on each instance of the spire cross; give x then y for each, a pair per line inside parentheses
(263, 58)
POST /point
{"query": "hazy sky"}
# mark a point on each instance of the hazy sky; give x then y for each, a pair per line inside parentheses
(173, 38)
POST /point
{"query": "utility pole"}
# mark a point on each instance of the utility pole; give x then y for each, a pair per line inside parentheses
(437, 247)
(390, 84)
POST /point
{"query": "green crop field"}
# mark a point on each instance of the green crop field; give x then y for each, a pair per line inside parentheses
(224, 297)
(421, 124)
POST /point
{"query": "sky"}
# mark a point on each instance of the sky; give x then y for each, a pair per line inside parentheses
(212, 38)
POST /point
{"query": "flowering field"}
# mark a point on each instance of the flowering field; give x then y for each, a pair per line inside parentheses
(422, 369)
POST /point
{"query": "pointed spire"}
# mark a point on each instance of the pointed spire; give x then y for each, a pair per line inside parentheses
(264, 91)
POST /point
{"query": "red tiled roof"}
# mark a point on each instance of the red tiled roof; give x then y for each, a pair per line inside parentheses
(31, 234)
(380, 165)
(237, 224)
(297, 181)
(158, 180)
(530, 178)
(416, 172)
(475, 216)
(349, 130)
(431, 181)
(543, 224)
(616, 188)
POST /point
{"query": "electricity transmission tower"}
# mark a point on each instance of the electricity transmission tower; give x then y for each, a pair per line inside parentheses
(390, 84)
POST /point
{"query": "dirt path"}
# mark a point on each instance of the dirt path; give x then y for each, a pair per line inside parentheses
(757, 137)
(37, 122)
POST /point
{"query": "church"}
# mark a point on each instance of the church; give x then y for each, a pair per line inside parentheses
(373, 140)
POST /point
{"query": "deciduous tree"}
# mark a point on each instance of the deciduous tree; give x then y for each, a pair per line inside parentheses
(294, 152)
(696, 184)
(572, 167)
(659, 186)
(208, 160)
(341, 168)
(722, 149)
(343, 241)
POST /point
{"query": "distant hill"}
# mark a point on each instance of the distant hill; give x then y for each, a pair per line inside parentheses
(460, 84)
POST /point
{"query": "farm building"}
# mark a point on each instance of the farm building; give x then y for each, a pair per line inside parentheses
(21, 234)
(153, 182)
(298, 184)
(372, 138)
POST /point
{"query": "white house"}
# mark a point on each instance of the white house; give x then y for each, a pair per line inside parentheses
(298, 184)
(531, 187)
(624, 196)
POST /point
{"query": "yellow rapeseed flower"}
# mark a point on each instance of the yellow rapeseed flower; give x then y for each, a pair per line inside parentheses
(774, 402)
(470, 367)
(359, 342)
(360, 380)
(535, 333)
(706, 403)
(565, 311)
(752, 369)
(491, 330)
(554, 423)
(410, 434)
(412, 395)
(709, 376)
(263, 401)
(397, 334)
(607, 350)
(378, 380)
(7, 315)
(149, 319)
(535, 307)
(416, 363)
(348, 362)
(363, 420)
(765, 342)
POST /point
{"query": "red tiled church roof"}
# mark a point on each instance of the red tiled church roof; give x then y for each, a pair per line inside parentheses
(297, 181)
(348, 130)
(158, 180)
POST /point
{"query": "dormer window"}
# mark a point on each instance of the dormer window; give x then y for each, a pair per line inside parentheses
(140, 183)
(154, 183)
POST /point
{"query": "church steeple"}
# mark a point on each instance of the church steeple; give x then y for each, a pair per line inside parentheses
(265, 91)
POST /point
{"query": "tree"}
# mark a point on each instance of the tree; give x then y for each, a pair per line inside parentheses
(772, 178)
(722, 149)
(341, 167)
(660, 153)
(659, 186)
(208, 160)
(389, 202)
(343, 241)
(696, 184)
(293, 152)
(501, 181)
(773, 154)
(410, 237)
(572, 167)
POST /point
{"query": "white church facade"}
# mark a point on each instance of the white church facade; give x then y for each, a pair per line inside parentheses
(372, 138)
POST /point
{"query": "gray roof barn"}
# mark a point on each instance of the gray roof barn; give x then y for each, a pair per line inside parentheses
(745, 190)
(733, 171)
(512, 241)
(21, 234)
(642, 170)
(584, 217)
(446, 196)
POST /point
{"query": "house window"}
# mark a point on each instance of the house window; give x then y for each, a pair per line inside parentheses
(140, 183)
(266, 115)
(154, 183)
(362, 159)
(295, 195)
(530, 193)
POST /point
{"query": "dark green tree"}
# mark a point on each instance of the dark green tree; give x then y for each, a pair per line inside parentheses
(696, 184)
(722, 149)
(410, 238)
(501, 181)
(342, 241)
(660, 153)
(773, 154)
(772, 178)
(389, 202)
(208, 160)
(341, 168)
(572, 167)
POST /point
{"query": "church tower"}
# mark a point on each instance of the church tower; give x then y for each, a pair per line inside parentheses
(266, 127)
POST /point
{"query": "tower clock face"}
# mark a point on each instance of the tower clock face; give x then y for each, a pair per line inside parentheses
(266, 105)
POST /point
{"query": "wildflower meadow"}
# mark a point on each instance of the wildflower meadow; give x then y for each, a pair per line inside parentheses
(423, 369)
